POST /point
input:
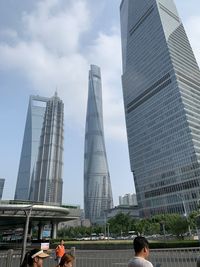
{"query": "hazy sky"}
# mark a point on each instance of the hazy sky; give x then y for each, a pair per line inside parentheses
(50, 44)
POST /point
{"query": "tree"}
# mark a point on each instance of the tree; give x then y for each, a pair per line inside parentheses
(141, 226)
(173, 223)
(194, 220)
(178, 225)
(121, 223)
(152, 228)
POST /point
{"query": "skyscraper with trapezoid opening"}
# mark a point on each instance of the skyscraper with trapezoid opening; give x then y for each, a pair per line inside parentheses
(97, 185)
(40, 169)
(161, 89)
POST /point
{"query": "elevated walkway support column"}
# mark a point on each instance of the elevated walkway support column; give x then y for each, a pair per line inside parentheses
(54, 228)
(40, 230)
(27, 212)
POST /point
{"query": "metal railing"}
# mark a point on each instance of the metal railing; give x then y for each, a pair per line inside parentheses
(186, 257)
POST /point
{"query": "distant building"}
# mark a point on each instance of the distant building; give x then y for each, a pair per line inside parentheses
(40, 169)
(75, 223)
(161, 89)
(133, 211)
(80, 221)
(128, 200)
(2, 182)
(97, 185)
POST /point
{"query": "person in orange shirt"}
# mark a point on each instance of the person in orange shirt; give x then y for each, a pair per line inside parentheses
(60, 251)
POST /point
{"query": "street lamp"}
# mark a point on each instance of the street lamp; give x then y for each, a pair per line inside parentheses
(105, 222)
(27, 210)
(163, 228)
(185, 211)
(108, 228)
(183, 202)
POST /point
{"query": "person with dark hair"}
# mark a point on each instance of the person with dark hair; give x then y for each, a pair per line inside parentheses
(34, 258)
(141, 248)
(67, 260)
(60, 251)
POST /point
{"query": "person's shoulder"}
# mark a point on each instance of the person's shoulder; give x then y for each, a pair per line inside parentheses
(148, 264)
(134, 262)
(139, 261)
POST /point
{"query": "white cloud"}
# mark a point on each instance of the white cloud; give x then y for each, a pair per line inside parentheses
(57, 26)
(48, 54)
(106, 52)
(193, 32)
(8, 33)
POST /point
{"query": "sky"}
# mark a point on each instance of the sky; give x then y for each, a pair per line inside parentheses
(49, 44)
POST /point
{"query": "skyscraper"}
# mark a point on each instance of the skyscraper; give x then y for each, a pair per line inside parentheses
(48, 175)
(128, 200)
(40, 169)
(97, 185)
(161, 88)
(29, 153)
(2, 181)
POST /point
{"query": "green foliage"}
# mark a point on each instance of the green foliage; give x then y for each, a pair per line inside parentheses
(79, 231)
(194, 219)
(172, 224)
(178, 225)
(121, 224)
(141, 226)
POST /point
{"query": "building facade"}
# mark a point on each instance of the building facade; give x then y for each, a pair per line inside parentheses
(97, 185)
(128, 200)
(2, 182)
(132, 211)
(161, 89)
(40, 169)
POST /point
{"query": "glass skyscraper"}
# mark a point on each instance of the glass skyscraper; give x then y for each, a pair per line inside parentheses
(2, 181)
(97, 185)
(161, 89)
(40, 169)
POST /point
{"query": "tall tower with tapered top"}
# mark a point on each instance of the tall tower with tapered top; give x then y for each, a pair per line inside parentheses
(97, 185)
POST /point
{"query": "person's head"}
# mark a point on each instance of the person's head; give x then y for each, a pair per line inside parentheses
(141, 246)
(34, 258)
(66, 260)
(62, 242)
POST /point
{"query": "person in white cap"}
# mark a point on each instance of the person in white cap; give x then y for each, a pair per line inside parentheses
(34, 258)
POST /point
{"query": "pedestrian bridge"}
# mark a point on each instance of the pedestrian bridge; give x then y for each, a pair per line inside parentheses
(14, 214)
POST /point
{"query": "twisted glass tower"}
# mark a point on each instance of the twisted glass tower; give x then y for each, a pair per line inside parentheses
(40, 169)
(161, 89)
(97, 186)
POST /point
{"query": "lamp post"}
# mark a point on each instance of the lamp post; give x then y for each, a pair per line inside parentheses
(163, 228)
(185, 211)
(27, 210)
(105, 222)
(108, 228)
